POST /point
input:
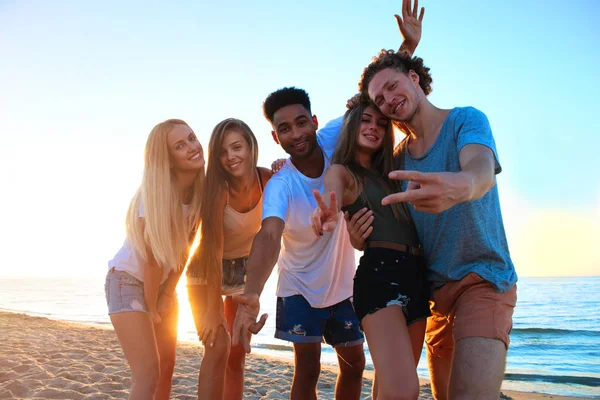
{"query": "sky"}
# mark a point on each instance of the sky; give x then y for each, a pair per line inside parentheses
(83, 83)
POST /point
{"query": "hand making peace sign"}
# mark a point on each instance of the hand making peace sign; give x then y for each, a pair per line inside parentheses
(325, 217)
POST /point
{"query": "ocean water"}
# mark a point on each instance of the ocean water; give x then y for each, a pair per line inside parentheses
(555, 343)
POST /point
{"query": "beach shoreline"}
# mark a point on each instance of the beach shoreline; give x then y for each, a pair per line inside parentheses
(51, 359)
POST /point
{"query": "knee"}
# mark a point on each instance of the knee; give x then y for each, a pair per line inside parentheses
(218, 354)
(398, 392)
(353, 368)
(308, 370)
(147, 375)
(167, 366)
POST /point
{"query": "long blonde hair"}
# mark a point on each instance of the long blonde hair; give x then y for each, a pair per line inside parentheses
(207, 264)
(382, 162)
(166, 231)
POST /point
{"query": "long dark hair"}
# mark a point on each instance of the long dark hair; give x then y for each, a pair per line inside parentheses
(382, 162)
(208, 264)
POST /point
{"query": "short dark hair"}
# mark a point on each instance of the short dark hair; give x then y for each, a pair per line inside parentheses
(399, 60)
(285, 97)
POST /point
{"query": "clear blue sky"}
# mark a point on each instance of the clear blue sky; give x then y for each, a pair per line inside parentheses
(82, 84)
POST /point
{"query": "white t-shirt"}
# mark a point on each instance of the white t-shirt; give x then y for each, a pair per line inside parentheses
(320, 269)
(128, 260)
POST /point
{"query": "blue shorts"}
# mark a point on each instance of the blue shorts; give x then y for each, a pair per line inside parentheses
(298, 322)
(125, 293)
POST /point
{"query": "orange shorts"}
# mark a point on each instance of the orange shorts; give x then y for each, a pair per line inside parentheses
(471, 307)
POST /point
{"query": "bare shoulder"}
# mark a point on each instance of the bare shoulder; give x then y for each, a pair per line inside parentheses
(338, 170)
(339, 173)
(265, 174)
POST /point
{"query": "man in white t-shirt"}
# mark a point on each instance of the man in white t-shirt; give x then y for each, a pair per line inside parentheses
(315, 273)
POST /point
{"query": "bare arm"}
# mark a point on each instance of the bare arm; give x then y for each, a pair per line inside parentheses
(436, 192)
(477, 163)
(152, 274)
(264, 255)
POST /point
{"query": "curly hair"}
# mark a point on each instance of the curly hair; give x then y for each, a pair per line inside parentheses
(285, 97)
(399, 60)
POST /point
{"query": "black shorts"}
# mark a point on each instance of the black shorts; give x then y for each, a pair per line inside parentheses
(388, 277)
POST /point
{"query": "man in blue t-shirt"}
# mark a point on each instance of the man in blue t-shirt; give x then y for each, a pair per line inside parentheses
(447, 165)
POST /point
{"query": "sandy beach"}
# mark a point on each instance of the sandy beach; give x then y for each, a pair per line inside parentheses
(49, 359)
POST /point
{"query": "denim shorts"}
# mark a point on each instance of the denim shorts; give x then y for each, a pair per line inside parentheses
(388, 277)
(298, 322)
(234, 276)
(125, 293)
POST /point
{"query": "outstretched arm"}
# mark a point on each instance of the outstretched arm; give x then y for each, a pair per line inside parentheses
(410, 26)
(263, 256)
(435, 192)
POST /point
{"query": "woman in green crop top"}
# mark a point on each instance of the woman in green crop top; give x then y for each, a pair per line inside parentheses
(391, 293)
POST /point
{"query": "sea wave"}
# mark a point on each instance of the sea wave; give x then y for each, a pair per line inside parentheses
(563, 379)
(554, 331)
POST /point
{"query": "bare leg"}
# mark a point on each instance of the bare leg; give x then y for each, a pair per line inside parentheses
(393, 354)
(136, 335)
(307, 358)
(352, 364)
(477, 368)
(234, 377)
(416, 331)
(166, 341)
(211, 378)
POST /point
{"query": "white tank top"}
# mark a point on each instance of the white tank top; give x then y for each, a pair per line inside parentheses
(239, 228)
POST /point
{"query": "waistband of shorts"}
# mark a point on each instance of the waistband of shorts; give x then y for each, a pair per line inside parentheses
(412, 250)
(236, 261)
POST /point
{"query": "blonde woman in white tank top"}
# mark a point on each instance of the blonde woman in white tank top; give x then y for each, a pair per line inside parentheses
(140, 284)
(231, 217)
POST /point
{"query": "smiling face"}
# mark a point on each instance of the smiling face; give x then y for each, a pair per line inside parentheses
(395, 93)
(373, 127)
(295, 130)
(185, 151)
(235, 155)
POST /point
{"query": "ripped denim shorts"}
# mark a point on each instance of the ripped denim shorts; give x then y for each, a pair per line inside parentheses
(124, 292)
(387, 277)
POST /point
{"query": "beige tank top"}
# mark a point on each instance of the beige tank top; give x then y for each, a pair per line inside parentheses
(239, 228)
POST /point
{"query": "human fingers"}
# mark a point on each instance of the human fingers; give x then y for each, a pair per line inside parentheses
(399, 21)
(412, 185)
(329, 226)
(353, 101)
(320, 203)
(315, 222)
(257, 326)
(245, 342)
(356, 216)
(360, 222)
(333, 202)
(367, 233)
(405, 8)
(366, 225)
(415, 176)
(409, 196)
(211, 336)
(237, 331)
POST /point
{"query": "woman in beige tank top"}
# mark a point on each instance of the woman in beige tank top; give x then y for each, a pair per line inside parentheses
(231, 217)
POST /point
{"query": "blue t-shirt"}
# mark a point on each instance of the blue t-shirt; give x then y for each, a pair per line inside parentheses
(468, 237)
